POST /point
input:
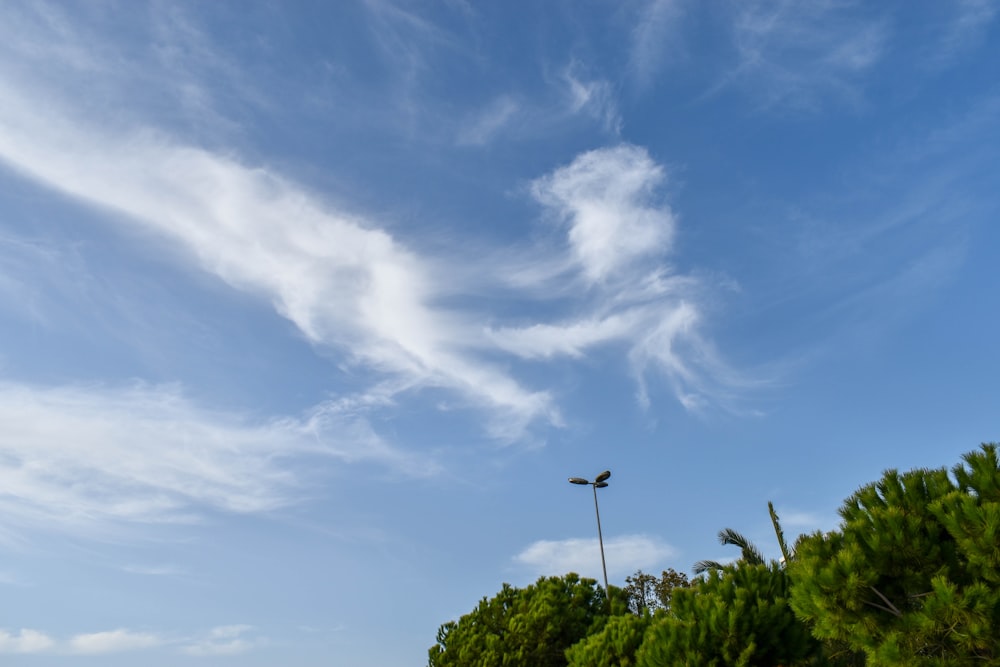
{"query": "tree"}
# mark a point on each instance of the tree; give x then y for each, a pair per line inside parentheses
(670, 581)
(913, 574)
(760, 630)
(645, 591)
(640, 591)
(526, 627)
(737, 616)
(615, 645)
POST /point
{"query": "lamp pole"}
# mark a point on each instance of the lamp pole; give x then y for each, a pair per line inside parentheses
(599, 482)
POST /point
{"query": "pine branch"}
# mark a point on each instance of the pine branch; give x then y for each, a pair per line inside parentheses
(891, 608)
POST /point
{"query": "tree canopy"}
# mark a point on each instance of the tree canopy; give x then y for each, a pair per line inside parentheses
(737, 615)
(525, 627)
(615, 645)
(646, 591)
(913, 574)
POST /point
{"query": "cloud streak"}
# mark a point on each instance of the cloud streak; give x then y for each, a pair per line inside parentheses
(112, 641)
(347, 284)
(341, 280)
(221, 640)
(352, 289)
(625, 554)
(86, 457)
(799, 54)
(655, 39)
(619, 234)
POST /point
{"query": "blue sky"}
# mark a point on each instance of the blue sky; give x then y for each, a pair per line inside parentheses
(308, 310)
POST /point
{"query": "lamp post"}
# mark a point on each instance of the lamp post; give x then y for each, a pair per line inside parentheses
(599, 482)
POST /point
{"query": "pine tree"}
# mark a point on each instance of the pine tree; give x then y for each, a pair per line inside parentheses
(911, 576)
(615, 645)
(738, 616)
(526, 627)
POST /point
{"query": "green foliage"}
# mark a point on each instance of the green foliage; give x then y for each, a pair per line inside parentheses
(737, 616)
(529, 627)
(617, 642)
(912, 575)
(615, 645)
(646, 592)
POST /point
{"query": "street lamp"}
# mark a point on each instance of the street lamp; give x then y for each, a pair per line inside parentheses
(599, 482)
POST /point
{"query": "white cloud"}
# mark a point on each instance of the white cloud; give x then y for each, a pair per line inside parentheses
(349, 285)
(608, 199)
(619, 231)
(570, 339)
(344, 282)
(223, 640)
(624, 555)
(353, 288)
(25, 641)
(72, 456)
(112, 641)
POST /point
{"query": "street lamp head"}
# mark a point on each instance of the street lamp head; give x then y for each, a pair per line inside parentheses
(603, 476)
(578, 480)
(600, 485)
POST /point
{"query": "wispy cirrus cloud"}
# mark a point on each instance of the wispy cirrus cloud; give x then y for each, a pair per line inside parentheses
(484, 126)
(344, 282)
(341, 279)
(154, 570)
(515, 115)
(405, 36)
(90, 456)
(799, 54)
(186, 78)
(655, 39)
(224, 640)
(619, 236)
(354, 289)
(969, 22)
(625, 554)
(221, 640)
(593, 97)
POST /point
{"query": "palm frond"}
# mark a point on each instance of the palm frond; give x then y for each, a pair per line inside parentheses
(703, 566)
(780, 533)
(750, 553)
